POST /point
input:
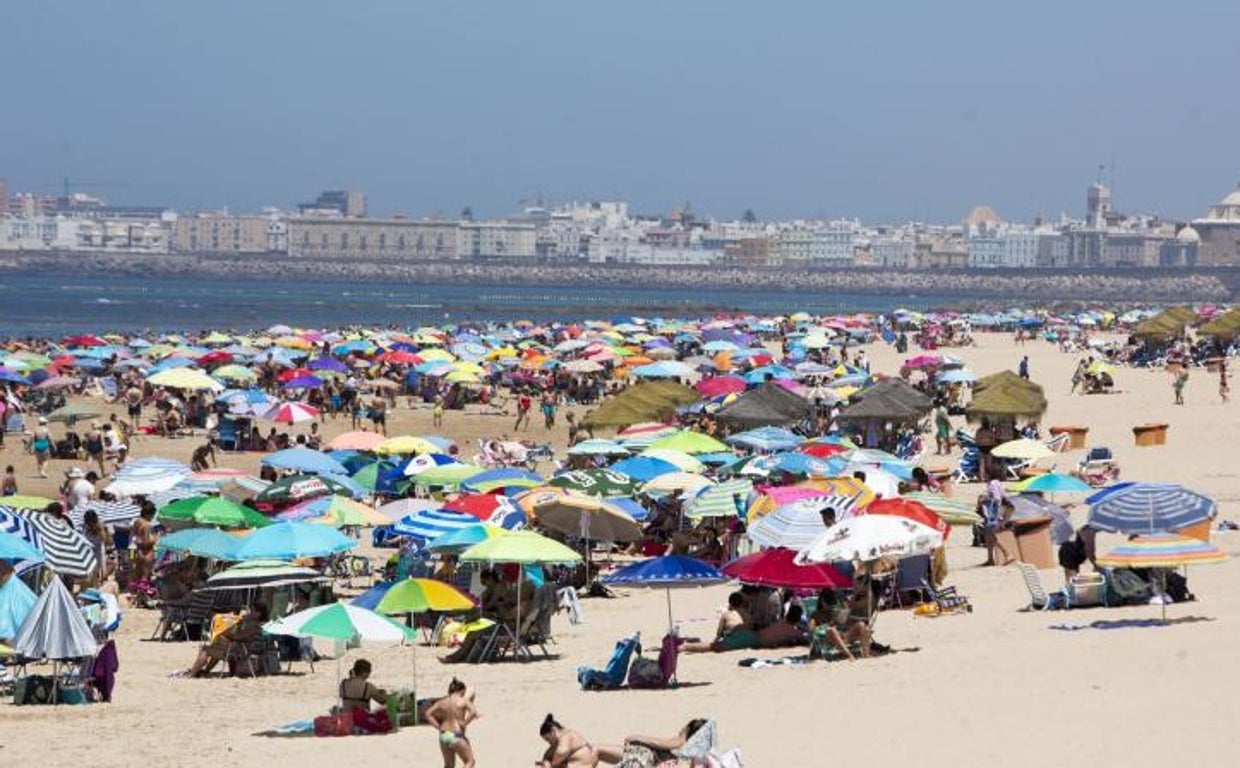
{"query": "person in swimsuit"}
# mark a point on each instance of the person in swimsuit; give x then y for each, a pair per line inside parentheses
(451, 715)
(735, 631)
(144, 540)
(357, 692)
(654, 750)
(568, 749)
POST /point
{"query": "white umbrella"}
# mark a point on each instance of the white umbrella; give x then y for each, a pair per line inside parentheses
(869, 537)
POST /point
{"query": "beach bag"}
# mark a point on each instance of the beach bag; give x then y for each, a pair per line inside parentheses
(32, 689)
(645, 673)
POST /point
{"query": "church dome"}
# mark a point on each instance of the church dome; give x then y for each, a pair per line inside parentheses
(1188, 235)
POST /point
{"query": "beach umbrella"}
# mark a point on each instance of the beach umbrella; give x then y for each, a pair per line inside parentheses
(259, 574)
(822, 450)
(185, 378)
(234, 373)
(879, 481)
(679, 459)
(212, 510)
(953, 511)
(797, 524)
(598, 447)
(115, 513)
(338, 512)
(291, 413)
(1022, 449)
(295, 488)
(500, 478)
(717, 386)
(148, 475)
(778, 568)
(427, 524)
(868, 537)
(1052, 482)
(523, 548)
(726, 499)
(14, 547)
(57, 382)
(689, 442)
(676, 483)
(289, 541)
(766, 439)
(604, 483)
(356, 441)
(305, 460)
(667, 573)
(406, 445)
(643, 468)
(21, 501)
(484, 506)
(395, 510)
(1162, 550)
(65, 549)
(1148, 508)
(461, 539)
(422, 595)
(13, 377)
(74, 412)
(55, 628)
(589, 517)
(16, 602)
(420, 463)
(447, 475)
(344, 625)
(202, 542)
(909, 509)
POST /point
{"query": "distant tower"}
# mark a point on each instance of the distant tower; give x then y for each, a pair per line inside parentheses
(4, 197)
(1098, 203)
(355, 204)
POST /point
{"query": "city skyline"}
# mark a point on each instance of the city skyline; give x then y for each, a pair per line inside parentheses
(802, 111)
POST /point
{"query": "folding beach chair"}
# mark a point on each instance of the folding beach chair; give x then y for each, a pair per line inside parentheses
(612, 675)
(1039, 598)
(912, 573)
(947, 600)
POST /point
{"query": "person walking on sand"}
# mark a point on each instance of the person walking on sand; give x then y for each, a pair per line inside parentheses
(451, 715)
(524, 404)
(1178, 383)
(1078, 376)
(1023, 369)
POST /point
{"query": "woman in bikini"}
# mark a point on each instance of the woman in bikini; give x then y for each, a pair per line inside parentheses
(450, 716)
(568, 749)
(650, 750)
(357, 692)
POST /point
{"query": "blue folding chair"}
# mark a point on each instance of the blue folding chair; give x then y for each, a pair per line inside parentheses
(614, 674)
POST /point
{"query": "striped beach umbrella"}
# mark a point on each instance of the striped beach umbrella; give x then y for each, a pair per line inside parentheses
(422, 595)
(952, 511)
(1148, 508)
(797, 524)
(66, 550)
(148, 475)
(291, 413)
(429, 523)
(1162, 550)
(464, 538)
(115, 513)
(726, 499)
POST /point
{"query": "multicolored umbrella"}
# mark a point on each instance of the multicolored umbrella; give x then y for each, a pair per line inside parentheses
(422, 595)
(799, 523)
(726, 499)
(291, 413)
(952, 511)
(1052, 482)
(1162, 550)
(909, 509)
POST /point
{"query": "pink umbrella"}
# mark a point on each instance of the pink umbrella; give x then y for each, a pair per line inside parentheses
(923, 361)
(720, 385)
(57, 382)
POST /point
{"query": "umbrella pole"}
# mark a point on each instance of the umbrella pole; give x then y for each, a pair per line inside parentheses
(414, 646)
(670, 626)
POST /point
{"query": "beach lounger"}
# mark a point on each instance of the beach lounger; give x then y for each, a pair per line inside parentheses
(613, 675)
(1039, 598)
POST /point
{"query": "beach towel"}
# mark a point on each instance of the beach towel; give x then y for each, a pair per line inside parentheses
(104, 670)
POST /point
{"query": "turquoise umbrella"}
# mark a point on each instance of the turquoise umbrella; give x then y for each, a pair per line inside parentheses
(289, 541)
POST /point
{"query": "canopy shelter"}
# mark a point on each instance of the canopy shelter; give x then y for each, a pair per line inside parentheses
(1225, 326)
(1006, 396)
(769, 404)
(648, 401)
(1166, 324)
(892, 400)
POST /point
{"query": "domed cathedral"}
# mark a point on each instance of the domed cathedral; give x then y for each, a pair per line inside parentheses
(1219, 233)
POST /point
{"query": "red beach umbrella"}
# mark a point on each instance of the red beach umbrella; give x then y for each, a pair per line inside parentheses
(776, 568)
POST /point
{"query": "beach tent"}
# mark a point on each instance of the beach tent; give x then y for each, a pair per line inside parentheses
(648, 401)
(1169, 322)
(766, 405)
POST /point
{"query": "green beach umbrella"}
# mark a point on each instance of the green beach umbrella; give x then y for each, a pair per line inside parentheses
(447, 475)
(604, 483)
(691, 443)
(522, 547)
(212, 510)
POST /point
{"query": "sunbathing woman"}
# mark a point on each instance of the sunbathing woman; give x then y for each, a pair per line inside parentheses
(568, 749)
(650, 750)
(450, 716)
(733, 632)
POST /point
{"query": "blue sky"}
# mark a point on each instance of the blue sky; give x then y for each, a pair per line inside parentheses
(884, 110)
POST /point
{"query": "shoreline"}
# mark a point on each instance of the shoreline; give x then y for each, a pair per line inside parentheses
(1046, 287)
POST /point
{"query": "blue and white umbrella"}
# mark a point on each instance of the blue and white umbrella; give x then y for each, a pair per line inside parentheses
(766, 439)
(644, 468)
(797, 524)
(667, 573)
(305, 460)
(416, 465)
(115, 513)
(429, 523)
(147, 475)
(1148, 508)
(726, 499)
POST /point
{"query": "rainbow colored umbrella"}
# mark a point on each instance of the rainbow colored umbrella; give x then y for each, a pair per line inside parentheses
(422, 595)
(1162, 550)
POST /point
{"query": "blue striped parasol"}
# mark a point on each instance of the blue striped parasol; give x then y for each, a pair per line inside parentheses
(1148, 508)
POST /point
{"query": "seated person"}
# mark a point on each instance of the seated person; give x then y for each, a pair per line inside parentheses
(733, 632)
(833, 621)
(650, 750)
(357, 692)
(492, 604)
(765, 605)
(250, 628)
(784, 632)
